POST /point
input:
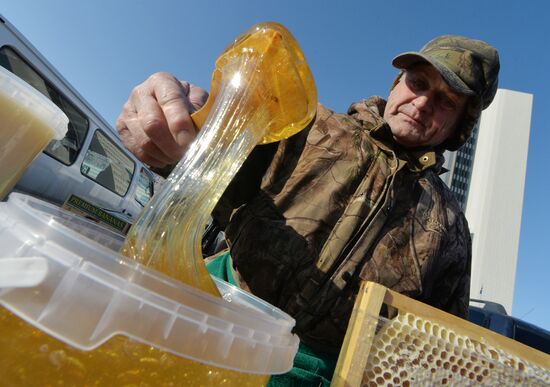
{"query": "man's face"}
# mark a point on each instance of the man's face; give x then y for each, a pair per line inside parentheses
(422, 110)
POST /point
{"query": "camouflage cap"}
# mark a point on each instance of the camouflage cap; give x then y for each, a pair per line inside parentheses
(469, 66)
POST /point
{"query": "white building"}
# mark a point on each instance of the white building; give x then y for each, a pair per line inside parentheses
(488, 176)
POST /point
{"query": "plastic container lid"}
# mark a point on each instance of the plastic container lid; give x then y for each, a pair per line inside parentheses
(16, 89)
(91, 293)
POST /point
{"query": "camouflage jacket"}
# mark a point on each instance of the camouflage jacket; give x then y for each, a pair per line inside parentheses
(340, 202)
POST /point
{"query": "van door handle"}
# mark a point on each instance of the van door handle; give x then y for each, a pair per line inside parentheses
(125, 211)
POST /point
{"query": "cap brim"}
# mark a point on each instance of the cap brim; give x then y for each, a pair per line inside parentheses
(408, 59)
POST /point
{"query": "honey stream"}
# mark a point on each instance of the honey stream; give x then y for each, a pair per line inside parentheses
(262, 91)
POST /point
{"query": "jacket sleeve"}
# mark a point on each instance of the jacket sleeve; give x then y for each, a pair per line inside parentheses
(450, 274)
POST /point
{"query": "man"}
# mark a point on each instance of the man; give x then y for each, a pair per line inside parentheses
(353, 197)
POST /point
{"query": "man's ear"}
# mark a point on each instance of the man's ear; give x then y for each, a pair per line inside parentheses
(465, 125)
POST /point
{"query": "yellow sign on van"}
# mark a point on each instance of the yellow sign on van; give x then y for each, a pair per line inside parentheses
(86, 209)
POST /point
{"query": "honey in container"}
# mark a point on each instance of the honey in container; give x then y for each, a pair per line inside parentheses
(28, 122)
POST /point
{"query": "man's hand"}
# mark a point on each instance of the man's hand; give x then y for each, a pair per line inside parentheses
(155, 123)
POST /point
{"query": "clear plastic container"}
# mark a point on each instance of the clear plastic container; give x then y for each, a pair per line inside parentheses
(102, 304)
(28, 122)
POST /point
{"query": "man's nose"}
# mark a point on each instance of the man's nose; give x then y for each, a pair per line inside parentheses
(423, 102)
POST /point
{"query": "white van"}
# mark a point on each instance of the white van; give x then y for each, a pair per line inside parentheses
(89, 170)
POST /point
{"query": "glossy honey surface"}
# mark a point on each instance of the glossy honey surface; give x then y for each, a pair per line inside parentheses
(30, 357)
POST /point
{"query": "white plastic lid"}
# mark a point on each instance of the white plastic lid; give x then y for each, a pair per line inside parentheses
(19, 91)
(90, 293)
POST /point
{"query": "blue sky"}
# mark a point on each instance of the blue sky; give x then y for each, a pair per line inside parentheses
(104, 48)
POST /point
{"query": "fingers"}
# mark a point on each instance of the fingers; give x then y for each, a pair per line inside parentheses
(175, 108)
(155, 123)
(197, 95)
(163, 115)
(135, 139)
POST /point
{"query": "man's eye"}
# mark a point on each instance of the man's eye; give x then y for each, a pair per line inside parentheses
(417, 83)
(447, 103)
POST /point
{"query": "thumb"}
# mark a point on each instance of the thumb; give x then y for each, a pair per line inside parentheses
(196, 95)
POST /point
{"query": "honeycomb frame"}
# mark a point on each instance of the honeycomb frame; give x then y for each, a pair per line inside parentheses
(422, 345)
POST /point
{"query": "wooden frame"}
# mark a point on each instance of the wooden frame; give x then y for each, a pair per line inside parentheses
(354, 354)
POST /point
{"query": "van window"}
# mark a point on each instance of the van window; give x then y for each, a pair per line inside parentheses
(106, 164)
(144, 188)
(65, 150)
